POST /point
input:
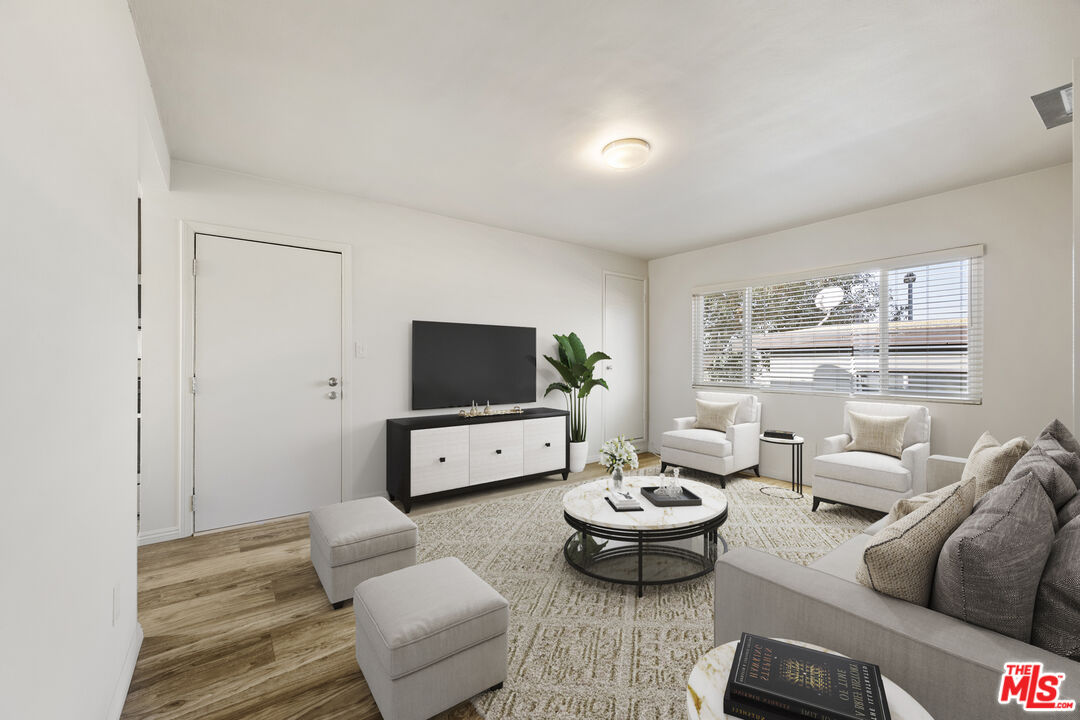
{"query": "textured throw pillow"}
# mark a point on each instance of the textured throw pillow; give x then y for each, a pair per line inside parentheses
(1045, 467)
(715, 416)
(1069, 512)
(989, 569)
(1063, 439)
(899, 561)
(1056, 625)
(989, 462)
(877, 433)
(908, 505)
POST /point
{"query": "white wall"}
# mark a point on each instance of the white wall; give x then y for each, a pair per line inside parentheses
(1076, 248)
(1024, 222)
(406, 265)
(70, 74)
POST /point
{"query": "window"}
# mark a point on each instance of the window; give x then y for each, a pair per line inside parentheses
(907, 327)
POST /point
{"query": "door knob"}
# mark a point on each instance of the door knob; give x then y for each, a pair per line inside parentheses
(609, 367)
(498, 452)
(547, 444)
(332, 395)
(332, 382)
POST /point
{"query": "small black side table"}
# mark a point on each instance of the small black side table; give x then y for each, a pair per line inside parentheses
(796, 444)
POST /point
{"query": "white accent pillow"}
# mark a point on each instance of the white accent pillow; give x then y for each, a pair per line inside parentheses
(877, 433)
(715, 416)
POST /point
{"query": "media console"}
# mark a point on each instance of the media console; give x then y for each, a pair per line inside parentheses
(445, 454)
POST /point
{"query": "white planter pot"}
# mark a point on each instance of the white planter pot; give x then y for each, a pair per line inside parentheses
(579, 451)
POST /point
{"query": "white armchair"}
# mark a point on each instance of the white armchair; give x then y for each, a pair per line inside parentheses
(873, 480)
(711, 450)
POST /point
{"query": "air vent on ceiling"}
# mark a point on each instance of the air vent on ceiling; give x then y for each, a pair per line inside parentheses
(1055, 106)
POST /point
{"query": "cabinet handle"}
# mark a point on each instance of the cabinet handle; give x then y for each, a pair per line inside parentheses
(498, 452)
(442, 459)
(547, 444)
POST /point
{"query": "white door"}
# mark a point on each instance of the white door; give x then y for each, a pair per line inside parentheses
(624, 341)
(268, 404)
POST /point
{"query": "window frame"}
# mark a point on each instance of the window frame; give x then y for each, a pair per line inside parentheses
(976, 301)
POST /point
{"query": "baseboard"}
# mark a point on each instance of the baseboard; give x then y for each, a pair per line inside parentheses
(116, 707)
(157, 536)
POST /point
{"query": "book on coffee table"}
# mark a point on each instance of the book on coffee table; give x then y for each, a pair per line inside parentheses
(778, 681)
(622, 502)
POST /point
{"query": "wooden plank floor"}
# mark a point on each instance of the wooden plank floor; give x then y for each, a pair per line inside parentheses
(237, 626)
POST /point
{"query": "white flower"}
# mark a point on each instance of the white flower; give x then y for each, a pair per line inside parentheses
(618, 452)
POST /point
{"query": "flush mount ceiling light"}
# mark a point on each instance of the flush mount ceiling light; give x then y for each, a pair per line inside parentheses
(626, 153)
(1055, 106)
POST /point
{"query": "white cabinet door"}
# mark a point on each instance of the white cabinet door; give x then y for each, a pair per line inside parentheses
(268, 406)
(439, 459)
(495, 451)
(624, 340)
(545, 445)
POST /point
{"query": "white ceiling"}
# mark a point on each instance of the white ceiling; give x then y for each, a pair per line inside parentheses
(762, 114)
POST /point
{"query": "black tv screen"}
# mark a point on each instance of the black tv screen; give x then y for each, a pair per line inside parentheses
(454, 364)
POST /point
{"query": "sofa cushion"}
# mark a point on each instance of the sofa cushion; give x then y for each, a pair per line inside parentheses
(878, 525)
(843, 560)
(908, 505)
(1056, 436)
(706, 442)
(1056, 622)
(1069, 511)
(715, 416)
(1045, 467)
(900, 560)
(747, 411)
(864, 468)
(989, 462)
(917, 429)
(422, 614)
(989, 569)
(352, 531)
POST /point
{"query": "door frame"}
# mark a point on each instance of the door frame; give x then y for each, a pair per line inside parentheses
(644, 350)
(188, 230)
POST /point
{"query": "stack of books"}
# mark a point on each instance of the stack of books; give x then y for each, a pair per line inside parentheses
(623, 502)
(773, 680)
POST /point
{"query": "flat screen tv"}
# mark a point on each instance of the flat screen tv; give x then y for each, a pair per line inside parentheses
(454, 364)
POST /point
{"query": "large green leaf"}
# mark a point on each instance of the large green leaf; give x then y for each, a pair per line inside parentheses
(596, 357)
(579, 349)
(561, 387)
(565, 372)
(589, 384)
(566, 351)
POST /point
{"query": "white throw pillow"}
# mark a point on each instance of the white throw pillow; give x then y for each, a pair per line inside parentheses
(877, 433)
(715, 416)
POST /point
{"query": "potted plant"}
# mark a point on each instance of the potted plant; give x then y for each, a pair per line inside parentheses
(575, 367)
(615, 455)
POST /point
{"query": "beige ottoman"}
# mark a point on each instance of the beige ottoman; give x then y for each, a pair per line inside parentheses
(354, 541)
(428, 637)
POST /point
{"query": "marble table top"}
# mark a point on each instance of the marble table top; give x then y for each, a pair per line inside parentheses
(586, 503)
(705, 688)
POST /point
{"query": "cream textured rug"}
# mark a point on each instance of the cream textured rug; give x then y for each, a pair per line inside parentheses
(582, 648)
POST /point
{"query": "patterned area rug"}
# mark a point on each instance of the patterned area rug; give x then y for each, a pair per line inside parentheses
(583, 648)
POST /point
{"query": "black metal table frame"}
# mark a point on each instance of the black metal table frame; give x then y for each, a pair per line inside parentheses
(796, 461)
(645, 544)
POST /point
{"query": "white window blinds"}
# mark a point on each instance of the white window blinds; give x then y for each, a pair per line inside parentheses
(910, 327)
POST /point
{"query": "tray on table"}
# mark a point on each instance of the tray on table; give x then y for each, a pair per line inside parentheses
(684, 499)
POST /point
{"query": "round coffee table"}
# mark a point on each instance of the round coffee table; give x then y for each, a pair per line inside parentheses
(708, 679)
(654, 546)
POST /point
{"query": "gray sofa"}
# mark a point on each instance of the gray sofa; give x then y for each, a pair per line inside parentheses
(952, 668)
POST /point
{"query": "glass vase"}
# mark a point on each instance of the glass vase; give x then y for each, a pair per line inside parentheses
(616, 479)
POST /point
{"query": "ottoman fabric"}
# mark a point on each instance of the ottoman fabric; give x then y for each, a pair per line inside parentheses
(423, 614)
(361, 529)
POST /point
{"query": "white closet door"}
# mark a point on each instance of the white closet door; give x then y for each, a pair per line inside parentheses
(624, 341)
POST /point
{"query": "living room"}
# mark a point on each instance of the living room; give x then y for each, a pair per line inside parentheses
(779, 225)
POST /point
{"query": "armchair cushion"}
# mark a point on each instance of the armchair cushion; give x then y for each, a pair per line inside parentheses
(715, 416)
(918, 426)
(697, 440)
(748, 404)
(865, 468)
(877, 433)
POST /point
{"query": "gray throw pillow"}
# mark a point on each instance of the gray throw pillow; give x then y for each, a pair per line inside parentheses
(1069, 511)
(1048, 471)
(989, 569)
(1056, 625)
(1062, 447)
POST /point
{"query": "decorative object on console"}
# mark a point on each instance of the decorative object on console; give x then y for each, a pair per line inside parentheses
(576, 368)
(615, 455)
(475, 411)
